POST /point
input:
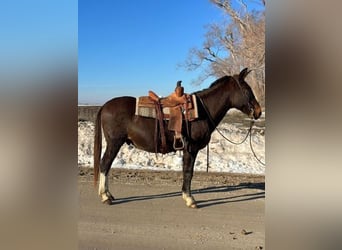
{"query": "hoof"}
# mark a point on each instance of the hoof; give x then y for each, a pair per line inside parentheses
(111, 197)
(190, 201)
(107, 198)
(108, 202)
(194, 205)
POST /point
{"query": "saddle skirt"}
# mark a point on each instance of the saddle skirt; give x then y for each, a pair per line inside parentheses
(146, 107)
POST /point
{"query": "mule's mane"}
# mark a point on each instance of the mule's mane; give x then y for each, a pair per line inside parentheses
(217, 83)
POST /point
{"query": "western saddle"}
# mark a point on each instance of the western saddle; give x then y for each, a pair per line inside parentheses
(177, 104)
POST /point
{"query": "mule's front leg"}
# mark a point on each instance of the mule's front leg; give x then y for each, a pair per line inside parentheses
(188, 169)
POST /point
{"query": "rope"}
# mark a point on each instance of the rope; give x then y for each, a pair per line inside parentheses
(235, 143)
(208, 158)
(250, 141)
(255, 156)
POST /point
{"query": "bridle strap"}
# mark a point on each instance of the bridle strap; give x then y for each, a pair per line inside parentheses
(243, 92)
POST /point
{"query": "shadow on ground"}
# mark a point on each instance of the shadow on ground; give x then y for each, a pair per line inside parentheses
(229, 198)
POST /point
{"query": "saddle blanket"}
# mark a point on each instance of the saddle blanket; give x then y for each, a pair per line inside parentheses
(146, 107)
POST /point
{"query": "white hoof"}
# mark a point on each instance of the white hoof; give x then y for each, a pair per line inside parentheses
(189, 200)
(107, 197)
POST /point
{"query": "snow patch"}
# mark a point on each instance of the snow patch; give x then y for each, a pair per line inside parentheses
(223, 156)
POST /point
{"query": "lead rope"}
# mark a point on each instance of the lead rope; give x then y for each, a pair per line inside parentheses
(235, 143)
(213, 124)
(250, 144)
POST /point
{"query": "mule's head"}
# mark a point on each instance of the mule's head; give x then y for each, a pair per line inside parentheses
(244, 98)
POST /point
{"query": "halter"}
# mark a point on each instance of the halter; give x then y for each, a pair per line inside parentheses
(250, 107)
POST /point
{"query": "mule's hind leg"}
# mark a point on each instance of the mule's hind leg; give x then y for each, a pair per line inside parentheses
(188, 169)
(105, 165)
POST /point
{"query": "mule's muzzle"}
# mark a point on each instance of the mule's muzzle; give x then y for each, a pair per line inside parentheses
(257, 111)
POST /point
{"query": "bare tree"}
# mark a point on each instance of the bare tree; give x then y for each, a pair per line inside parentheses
(237, 42)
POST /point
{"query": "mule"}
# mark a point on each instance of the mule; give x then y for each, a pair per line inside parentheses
(120, 125)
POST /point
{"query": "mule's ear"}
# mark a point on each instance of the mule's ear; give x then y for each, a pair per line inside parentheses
(244, 73)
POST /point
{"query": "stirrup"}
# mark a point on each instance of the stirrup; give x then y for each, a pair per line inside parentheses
(174, 143)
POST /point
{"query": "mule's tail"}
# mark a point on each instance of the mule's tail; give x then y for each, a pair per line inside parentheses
(97, 146)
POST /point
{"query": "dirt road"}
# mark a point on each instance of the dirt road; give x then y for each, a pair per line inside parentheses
(149, 212)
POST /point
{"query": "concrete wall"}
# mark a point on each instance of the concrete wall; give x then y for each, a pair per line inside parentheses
(87, 113)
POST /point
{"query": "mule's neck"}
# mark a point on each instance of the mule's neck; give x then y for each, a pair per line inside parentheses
(217, 101)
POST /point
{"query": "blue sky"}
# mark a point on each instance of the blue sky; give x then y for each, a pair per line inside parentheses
(36, 34)
(130, 47)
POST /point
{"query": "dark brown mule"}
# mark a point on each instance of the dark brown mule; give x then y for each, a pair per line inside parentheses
(120, 124)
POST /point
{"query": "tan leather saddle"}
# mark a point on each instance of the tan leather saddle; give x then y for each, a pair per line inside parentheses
(177, 103)
(175, 108)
